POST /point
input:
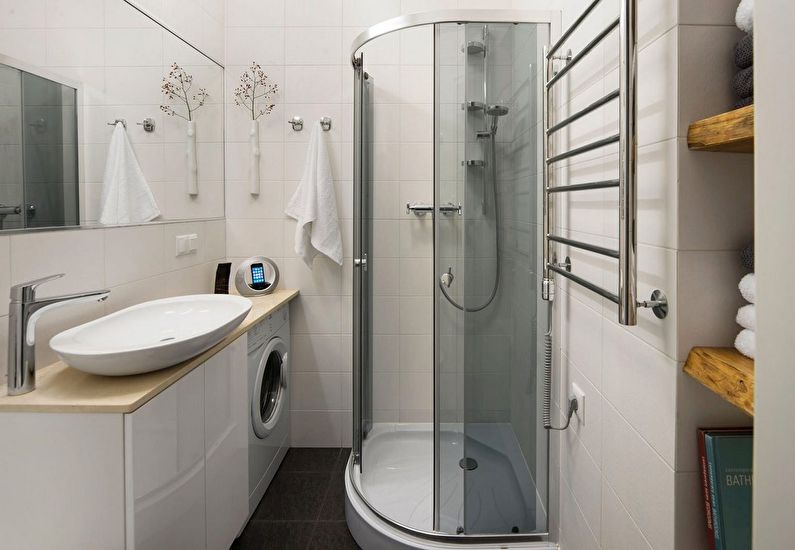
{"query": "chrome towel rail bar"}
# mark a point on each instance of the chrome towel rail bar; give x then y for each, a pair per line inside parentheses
(585, 51)
(626, 298)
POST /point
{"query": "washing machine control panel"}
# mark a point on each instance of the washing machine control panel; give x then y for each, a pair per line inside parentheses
(266, 327)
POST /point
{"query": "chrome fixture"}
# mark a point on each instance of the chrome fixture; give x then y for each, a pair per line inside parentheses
(473, 106)
(626, 299)
(449, 208)
(495, 112)
(6, 210)
(474, 47)
(148, 124)
(419, 208)
(447, 278)
(116, 121)
(24, 311)
(298, 123)
(476, 162)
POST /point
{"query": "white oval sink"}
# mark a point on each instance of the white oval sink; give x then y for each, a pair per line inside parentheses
(152, 335)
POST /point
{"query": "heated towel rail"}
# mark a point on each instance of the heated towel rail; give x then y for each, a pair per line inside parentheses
(626, 299)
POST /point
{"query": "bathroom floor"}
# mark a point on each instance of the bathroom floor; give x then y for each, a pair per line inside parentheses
(304, 507)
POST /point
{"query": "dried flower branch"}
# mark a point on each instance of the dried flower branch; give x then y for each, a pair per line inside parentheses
(255, 86)
(177, 86)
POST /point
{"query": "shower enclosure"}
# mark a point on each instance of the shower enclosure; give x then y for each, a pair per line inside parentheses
(448, 442)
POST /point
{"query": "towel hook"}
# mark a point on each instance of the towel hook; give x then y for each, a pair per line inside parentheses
(115, 122)
(148, 124)
(297, 123)
(325, 123)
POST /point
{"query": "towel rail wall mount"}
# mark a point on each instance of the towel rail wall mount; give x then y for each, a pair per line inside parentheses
(626, 255)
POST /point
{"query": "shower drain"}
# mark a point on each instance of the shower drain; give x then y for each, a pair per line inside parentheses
(467, 463)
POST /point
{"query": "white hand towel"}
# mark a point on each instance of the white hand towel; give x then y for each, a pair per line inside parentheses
(126, 196)
(744, 18)
(748, 287)
(314, 205)
(746, 317)
(746, 343)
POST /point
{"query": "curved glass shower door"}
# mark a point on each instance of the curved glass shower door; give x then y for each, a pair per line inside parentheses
(447, 437)
(492, 449)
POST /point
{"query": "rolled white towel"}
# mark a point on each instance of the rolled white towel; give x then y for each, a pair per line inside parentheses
(746, 317)
(748, 287)
(744, 19)
(746, 343)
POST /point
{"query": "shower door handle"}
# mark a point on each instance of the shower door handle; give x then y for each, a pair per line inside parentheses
(449, 208)
(361, 262)
(419, 208)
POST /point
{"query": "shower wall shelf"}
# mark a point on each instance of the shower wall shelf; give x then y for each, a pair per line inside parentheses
(726, 372)
(556, 67)
(731, 132)
(473, 106)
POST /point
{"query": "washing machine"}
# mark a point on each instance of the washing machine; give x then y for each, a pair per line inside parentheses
(269, 399)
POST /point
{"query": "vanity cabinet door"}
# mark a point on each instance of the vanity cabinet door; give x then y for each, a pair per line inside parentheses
(226, 444)
(164, 468)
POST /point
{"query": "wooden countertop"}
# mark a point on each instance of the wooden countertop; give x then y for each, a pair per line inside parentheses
(62, 389)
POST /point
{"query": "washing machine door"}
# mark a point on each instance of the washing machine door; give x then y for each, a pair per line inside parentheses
(270, 388)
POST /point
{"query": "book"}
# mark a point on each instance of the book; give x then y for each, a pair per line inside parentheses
(729, 460)
(705, 476)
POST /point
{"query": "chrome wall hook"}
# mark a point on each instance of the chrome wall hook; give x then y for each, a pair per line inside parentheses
(148, 124)
(115, 122)
(297, 123)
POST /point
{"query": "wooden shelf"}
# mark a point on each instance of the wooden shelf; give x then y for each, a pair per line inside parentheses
(728, 132)
(726, 372)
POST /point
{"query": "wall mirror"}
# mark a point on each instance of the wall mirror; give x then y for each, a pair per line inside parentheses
(68, 75)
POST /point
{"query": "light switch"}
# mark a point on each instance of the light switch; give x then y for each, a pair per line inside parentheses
(186, 244)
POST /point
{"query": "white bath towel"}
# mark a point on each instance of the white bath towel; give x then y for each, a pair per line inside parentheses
(746, 343)
(314, 205)
(744, 18)
(746, 317)
(126, 196)
(748, 287)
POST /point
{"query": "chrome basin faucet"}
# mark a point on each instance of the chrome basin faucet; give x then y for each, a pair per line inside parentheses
(24, 311)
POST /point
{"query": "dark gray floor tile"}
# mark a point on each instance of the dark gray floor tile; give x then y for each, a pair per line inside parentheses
(332, 535)
(334, 504)
(342, 460)
(275, 535)
(310, 460)
(294, 496)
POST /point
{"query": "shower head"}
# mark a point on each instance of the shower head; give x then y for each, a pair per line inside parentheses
(496, 111)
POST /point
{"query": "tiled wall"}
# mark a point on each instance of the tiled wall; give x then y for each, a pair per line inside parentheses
(136, 263)
(200, 22)
(120, 57)
(628, 473)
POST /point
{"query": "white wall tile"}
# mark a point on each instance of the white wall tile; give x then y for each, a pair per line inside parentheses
(133, 253)
(640, 478)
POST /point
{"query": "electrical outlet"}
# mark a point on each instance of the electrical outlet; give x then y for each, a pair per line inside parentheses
(579, 395)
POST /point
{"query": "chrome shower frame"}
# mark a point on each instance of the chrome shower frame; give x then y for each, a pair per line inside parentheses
(552, 19)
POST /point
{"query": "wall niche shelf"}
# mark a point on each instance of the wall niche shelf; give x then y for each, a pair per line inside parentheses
(731, 132)
(726, 372)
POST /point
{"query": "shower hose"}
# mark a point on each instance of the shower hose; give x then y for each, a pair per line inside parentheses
(484, 305)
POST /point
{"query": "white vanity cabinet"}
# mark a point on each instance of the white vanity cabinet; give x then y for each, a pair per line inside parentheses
(172, 474)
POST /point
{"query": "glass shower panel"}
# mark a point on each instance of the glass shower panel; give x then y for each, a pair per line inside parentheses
(449, 190)
(491, 447)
